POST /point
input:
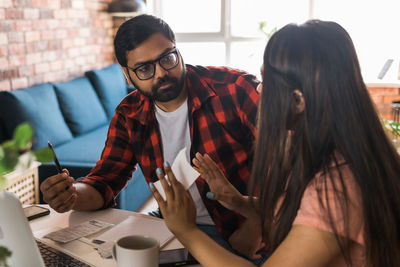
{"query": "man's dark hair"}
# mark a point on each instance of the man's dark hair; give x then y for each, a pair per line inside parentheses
(137, 30)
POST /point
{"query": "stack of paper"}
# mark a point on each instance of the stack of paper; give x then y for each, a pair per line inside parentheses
(133, 225)
(137, 225)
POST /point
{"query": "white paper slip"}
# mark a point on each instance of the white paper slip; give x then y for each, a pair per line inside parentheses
(105, 249)
(183, 171)
(74, 232)
(138, 225)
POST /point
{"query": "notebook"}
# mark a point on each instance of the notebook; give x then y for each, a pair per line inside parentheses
(17, 236)
(134, 225)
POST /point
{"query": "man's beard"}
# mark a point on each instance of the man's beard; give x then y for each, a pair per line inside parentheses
(167, 94)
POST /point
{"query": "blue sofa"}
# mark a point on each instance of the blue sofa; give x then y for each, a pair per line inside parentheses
(74, 116)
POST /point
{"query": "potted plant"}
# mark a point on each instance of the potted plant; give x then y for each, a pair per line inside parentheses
(394, 129)
(17, 153)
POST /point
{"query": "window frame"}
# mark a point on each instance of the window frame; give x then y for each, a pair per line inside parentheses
(223, 36)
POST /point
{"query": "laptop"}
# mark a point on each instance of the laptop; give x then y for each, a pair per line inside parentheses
(16, 235)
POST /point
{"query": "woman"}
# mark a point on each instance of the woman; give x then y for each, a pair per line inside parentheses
(325, 183)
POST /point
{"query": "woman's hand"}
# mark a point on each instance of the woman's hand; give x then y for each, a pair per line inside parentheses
(178, 210)
(221, 189)
(247, 239)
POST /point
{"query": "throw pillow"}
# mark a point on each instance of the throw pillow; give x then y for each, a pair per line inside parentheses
(80, 105)
(110, 85)
(37, 105)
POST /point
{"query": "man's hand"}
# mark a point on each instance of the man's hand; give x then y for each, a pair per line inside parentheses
(247, 240)
(59, 192)
(221, 189)
(178, 210)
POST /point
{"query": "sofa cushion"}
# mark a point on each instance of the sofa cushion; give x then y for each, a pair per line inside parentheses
(37, 105)
(110, 86)
(83, 150)
(131, 197)
(135, 193)
(80, 105)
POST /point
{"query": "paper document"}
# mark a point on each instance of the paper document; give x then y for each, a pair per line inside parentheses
(183, 171)
(74, 232)
(133, 225)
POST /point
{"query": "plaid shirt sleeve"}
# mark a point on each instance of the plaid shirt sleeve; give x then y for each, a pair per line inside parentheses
(117, 162)
(247, 100)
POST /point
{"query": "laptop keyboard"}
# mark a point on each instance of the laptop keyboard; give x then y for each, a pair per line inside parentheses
(55, 258)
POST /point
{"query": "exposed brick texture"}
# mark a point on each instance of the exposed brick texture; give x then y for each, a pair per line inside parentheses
(52, 40)
(383, 98)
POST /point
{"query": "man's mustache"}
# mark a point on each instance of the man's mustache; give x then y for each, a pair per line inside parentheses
(163, 81)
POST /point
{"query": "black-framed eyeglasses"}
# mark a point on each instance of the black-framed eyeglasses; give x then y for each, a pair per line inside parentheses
(147, 70)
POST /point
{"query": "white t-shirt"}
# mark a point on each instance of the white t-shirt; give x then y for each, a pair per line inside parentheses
(175, 135)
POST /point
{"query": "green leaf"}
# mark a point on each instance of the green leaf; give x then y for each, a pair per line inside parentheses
(4, 254)
(23, 135)
(9, 162)
(9, 145)
(10, 158)
(1, 152)
(44, 155)
(3, 182)
(4, 169)
(262, 25)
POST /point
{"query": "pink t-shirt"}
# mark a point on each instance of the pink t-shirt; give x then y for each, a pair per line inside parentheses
(312, 213)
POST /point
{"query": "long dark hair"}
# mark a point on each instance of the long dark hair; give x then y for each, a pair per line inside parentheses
(318, 58)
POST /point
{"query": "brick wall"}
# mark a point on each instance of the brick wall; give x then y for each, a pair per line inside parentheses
(384, 97)
(52, 40)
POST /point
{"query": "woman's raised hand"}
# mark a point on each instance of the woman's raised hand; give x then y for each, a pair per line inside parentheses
(178, 209)
(221, 189)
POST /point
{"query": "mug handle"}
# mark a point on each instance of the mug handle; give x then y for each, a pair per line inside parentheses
(114, 252)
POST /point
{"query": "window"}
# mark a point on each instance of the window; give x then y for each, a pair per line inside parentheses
(227, 32)
(374, 27)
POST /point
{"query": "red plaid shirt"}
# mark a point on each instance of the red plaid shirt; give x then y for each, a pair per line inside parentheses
(222, 106)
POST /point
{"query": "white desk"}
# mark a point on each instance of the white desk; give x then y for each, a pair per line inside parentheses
(43, 225)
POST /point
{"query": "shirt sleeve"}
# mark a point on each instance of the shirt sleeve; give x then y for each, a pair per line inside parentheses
(313, 212)
(116, 164)
(248, 98)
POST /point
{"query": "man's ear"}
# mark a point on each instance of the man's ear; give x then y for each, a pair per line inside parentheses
(128, 81)
(259, 87)
(298, 103)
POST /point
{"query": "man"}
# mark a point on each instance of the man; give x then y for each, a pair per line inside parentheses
(207, 110)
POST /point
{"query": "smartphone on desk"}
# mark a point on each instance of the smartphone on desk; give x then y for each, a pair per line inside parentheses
(176, 257)
(33, 212)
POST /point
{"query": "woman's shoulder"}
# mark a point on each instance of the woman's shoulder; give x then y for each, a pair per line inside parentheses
(337, 176)
(333, 196)
(331, 199)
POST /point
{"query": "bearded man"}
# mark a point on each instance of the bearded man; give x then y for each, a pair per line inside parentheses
(203, 109)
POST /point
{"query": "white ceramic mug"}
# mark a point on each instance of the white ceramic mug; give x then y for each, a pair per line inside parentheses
(136, 250)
